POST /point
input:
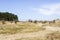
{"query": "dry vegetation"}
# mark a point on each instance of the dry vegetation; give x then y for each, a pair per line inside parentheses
(53, 36)
(12, 28)
(36, 31)
(50, 36)
(29, 38)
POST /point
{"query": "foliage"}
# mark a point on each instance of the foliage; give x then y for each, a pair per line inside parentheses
(8, 16)
(35, 21)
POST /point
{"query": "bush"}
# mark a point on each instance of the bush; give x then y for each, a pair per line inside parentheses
(53, 21)
(16, 22)
(3, 22)
(45, 22)
(30, 20)
(35, 21)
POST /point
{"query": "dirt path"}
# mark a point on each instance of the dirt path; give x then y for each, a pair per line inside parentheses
(33, 34)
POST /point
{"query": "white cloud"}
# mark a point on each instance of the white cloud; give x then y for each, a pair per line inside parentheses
(49, 9)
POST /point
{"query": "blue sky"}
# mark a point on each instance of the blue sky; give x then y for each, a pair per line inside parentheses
(32, 9)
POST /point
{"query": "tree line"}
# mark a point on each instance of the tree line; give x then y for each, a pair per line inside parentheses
(6, 16)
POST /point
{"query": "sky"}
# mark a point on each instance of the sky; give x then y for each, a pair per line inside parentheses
(32, 9)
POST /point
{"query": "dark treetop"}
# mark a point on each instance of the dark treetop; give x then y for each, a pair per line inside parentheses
(8, 16)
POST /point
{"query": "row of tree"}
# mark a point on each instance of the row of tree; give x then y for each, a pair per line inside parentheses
(6, 16)
(36, 21)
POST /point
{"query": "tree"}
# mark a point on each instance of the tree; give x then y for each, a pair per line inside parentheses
(8, 16)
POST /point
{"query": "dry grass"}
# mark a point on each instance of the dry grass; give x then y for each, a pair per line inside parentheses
(55, 24)
(11, 28)
(26, 27)
(50, 36)
(29, 38)
(53, 36)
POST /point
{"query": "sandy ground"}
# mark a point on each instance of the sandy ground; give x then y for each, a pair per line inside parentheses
(41, 34)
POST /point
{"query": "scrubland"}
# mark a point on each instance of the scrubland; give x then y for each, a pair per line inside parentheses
(29, 31)
(23, 27)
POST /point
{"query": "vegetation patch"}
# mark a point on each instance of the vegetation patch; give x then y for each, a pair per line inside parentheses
(53, 36)
(19, 28)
